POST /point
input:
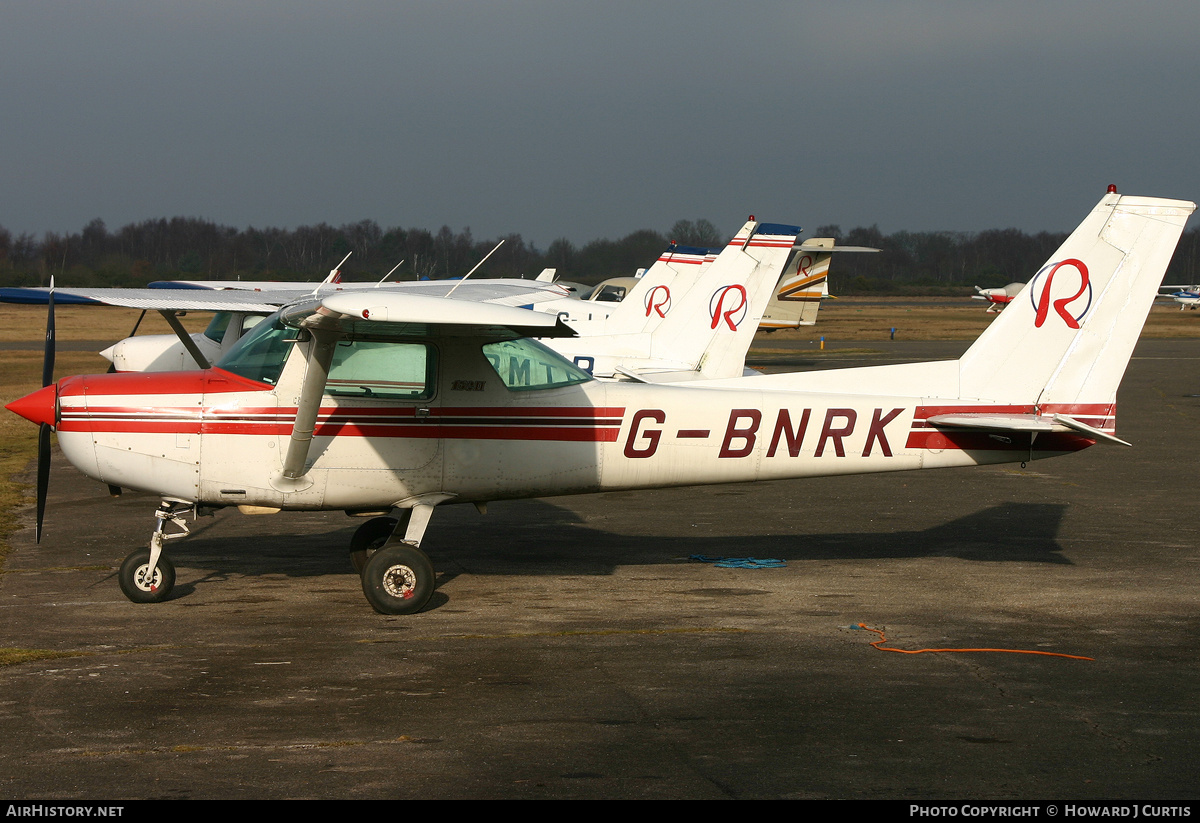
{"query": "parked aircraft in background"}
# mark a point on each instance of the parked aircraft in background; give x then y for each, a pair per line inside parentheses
(805, 283)
(998, 298)
(618, 340)
(394, 403)
(1188, 297)
(236, 310)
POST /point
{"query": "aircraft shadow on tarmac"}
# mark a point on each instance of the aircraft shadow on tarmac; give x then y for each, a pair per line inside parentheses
(535, 537)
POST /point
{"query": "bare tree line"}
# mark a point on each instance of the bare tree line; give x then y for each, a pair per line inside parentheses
(191, 248)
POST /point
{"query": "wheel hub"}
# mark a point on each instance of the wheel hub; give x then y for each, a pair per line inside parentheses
(400, 581)
(147, 584)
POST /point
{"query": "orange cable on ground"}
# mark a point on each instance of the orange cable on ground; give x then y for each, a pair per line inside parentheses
(883, 639)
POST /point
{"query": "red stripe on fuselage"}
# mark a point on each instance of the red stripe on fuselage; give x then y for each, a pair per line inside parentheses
(196, 381)
(568, 423)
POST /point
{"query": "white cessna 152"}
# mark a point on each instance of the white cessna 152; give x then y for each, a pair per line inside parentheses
(394, 403)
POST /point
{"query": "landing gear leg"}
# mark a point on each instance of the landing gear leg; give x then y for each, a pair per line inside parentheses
(399, 578)
(147, 575)
(370, 537)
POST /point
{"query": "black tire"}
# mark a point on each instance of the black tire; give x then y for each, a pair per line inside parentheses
(398, 579)
(370, 536)
(133, 578)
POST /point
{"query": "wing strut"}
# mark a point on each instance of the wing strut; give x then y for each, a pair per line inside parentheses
(320, 356)
(185, 338)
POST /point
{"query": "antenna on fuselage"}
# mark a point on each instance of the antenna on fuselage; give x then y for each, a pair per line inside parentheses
(477, 265)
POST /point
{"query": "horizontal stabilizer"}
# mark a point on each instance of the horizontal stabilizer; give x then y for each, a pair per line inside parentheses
(1023, 423)
(808, 246)
(661, 376)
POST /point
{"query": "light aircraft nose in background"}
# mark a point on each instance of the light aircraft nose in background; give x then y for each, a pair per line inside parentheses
(393, 404)
(997, 299)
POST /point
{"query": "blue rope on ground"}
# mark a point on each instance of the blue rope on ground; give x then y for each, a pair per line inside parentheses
(739, 562)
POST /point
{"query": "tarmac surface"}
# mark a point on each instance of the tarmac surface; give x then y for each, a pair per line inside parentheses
(572, 650)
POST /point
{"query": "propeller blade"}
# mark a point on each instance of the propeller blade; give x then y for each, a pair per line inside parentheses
(48, 357)
(43, 450)
(43, 478)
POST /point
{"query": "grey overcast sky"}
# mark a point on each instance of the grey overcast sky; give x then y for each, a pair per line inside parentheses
(593, 119)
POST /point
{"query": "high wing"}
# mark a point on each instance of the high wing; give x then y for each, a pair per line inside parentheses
(1188, 297)
(238, 310)
(154, 299)
(425, 312)
(692, 315)
(509, 292)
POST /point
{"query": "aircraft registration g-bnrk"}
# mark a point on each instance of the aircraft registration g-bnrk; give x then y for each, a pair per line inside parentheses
(396, 404)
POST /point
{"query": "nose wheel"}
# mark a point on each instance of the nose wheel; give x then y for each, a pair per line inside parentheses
(147, 575)
(143, 583)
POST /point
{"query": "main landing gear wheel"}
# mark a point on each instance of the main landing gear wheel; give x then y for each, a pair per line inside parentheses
(398, 579)
(370, 536)
(136, 583)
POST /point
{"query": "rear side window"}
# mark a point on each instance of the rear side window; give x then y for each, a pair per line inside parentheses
(526, 365)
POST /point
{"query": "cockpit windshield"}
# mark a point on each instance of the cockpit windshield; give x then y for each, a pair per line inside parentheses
(260, 353)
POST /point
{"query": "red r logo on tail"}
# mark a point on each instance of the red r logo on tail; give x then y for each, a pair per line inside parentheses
(663, 295)
(1044, 280)
(716, 306)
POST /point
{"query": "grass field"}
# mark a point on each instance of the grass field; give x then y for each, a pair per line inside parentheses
(847, 319)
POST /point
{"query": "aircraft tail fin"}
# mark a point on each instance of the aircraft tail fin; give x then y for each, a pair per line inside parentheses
(1066, 339)
(658, 288)
(804, 282)
(720, 313)
(696, 323)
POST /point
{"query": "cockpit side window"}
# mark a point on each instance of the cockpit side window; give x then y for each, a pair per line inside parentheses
(526, 365)
(378, 369)
(217, 326)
